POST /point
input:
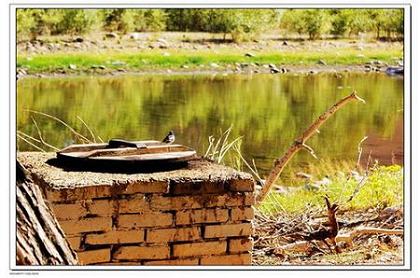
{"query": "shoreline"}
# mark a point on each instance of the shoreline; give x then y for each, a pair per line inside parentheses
(225, 70)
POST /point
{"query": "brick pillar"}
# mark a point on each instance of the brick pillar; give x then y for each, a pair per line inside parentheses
(200, 215)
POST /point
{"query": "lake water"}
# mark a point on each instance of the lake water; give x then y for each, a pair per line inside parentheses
(269, 111)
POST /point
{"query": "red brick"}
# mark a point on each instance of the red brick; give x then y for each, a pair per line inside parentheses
(243, 229)
(69, 211)
(173, 262)
(178, 234)
(198, 201)
(74, 242)
(95, 224)
(94, 256)
(142, 252)
(75, 194)
(100, 207)
(244, 213)
(116, 237)
(240, 259)
(241, 185)
(193, 187)
(135, 205)
(147, 219)
(240, 245)
(201, 216)
(250, 199)
(147, 187)
(199, 249)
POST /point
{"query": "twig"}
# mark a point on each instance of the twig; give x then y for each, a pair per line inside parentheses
(360, 151)
(62, 122)
(30, 143)
(253, 170)
(299, 143)
(42, 139)
(358, 187)
(88, 128)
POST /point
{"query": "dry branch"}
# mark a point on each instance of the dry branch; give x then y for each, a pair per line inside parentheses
(301, 246)
(299, 143)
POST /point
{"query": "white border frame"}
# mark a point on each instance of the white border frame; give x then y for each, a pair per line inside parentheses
(298, 4)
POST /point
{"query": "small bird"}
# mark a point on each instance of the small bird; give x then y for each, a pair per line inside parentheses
(170, 138)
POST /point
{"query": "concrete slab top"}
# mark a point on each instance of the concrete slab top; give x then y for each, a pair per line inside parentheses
(57, 178)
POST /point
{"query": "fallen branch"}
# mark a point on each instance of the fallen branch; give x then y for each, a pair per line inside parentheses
(299, 143)
(301, 246)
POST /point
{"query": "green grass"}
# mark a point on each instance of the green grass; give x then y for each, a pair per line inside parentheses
(154, 59)
(384, 187)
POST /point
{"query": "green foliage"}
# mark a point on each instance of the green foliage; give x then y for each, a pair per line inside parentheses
(25, 22)
(313, 22)
(343, 22)
(76, 21)
(383, 188)
(35, 22)
(117, 20)
(149, 20)
(241, 24)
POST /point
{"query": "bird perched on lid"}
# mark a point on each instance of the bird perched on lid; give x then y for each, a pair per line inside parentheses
(170, 138)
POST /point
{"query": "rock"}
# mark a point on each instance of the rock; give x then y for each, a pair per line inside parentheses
(135, 36)
(111, 35)
(118, 63)
(102, 67)
(162, 41)
(78, 39)
(285, 43)
(21, 71)
(271, 66)
(50, 46)
(303, 175)
(249, 54)
(72, 67)
(322, 62)
(121, 70)
(312, 187)
(214, 65)
(274, 70)
(184, 66)
(163, 46)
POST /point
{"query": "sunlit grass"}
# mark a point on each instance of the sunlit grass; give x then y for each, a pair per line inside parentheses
(383, 188)
(177, 58)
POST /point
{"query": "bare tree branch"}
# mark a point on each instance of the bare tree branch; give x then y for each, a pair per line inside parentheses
(299, 143)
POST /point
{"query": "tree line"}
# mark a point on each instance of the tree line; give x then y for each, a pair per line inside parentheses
(240, 24)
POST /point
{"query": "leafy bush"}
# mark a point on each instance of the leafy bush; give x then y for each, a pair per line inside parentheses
(313, 22)
(77, 21)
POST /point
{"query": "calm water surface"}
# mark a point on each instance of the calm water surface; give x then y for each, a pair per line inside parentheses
(269, 111)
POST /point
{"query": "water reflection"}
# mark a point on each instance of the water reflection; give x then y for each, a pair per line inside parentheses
(268, 110)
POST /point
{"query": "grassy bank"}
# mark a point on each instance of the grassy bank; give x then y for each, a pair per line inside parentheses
(203, 59)
(383, 188)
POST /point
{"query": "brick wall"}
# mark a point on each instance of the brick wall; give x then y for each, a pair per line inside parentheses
(171, 221)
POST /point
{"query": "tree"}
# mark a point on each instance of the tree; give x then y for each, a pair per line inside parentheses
(77, 21)
(314, 22)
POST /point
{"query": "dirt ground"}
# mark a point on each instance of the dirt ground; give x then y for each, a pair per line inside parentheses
(273, 234)
(193, 41)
